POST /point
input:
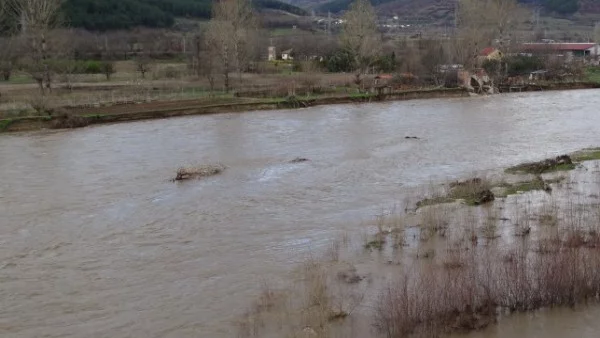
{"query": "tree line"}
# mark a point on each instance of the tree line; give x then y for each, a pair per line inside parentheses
(232, 43)
(102, 15)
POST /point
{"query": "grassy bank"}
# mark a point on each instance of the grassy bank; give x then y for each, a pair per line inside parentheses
(156, 110)
(80, 116)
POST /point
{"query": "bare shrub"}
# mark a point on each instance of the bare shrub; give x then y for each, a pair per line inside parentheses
(65, 120)
(434, 221)
(464, 297)
(333, 251)
(171, 72)
(143, 65)
(40, 104)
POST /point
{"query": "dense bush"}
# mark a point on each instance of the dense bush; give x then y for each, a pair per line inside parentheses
(514, 65)
(340, 61)
(386, 63)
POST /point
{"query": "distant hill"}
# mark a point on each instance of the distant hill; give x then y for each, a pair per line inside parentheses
(563, 7)
(125, 14)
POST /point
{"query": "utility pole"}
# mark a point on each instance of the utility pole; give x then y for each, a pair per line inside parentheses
(456, 9)
(536, 17)
(328, 23)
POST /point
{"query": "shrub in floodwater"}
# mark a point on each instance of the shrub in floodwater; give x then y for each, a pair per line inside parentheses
(186, 173)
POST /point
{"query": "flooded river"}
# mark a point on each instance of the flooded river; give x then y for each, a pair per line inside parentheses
(95, 241)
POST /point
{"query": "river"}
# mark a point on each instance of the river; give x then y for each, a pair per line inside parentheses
(95, 241)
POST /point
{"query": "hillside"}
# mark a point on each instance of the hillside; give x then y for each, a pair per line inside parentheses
(561, 7)
(125, 14)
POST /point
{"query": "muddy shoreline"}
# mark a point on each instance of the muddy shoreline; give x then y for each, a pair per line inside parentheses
(76, 121)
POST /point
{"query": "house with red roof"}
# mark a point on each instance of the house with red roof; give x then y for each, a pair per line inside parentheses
(488, 54)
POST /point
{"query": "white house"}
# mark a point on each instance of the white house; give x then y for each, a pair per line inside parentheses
(287, 54)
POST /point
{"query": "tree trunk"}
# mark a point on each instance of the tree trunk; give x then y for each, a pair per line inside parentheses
(198, 68)
(226, 79)
(40, 82)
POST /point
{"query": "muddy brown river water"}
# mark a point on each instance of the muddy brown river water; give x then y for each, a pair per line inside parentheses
(95, 241)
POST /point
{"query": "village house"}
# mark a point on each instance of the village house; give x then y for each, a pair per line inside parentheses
(569, 51)
(287, 54)
(488, 54)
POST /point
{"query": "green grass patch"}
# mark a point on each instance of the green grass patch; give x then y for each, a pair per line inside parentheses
(20, 79)
(4, 124)
(593, 74)
(536, 184)
(560, 163)
(475, 191)
(591, 154)
(561, 167)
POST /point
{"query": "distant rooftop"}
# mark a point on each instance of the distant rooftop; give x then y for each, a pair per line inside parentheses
(559, 46)
(487, 51)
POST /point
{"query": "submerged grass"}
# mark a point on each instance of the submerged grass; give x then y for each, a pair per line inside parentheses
(590, 154)
(520, 187)
(560, 163)
(474, 191)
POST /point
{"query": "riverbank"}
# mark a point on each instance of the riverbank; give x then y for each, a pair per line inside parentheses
(450, 268)
(75, 117)
(80, 117)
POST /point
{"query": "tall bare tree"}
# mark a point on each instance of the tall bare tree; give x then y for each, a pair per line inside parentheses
(360, 36)
(480, 22)
(220, 47)
(37, 18)
(230, 34)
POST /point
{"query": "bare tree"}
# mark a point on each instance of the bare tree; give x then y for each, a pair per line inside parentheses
(480, 22)
(108, 69)
(208, 65)
(8, 56)
(230, 34)
(143, 65)
(309, 78)
(220, 47)
(37, 18)
(409, 57)
(433, 55)
(360, 36)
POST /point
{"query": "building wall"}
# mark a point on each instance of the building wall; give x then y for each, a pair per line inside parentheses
(272, 56)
